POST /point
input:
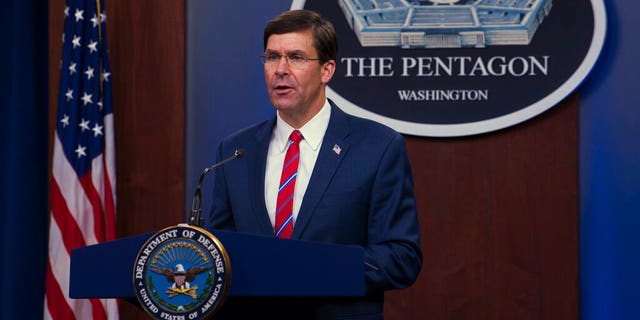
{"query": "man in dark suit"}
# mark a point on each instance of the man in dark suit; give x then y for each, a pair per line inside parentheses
(316, 173)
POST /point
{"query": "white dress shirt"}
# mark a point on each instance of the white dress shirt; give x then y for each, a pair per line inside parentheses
(313, 133)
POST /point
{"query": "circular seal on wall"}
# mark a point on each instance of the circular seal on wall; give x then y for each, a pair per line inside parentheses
(447, 68)
(181, 272)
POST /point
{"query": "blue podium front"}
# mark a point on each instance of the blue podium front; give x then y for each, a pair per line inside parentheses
(260, 267)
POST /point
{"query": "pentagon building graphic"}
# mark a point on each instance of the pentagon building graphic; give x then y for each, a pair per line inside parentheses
(444, 23)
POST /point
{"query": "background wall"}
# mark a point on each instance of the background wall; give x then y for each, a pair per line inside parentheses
(500, 216)
(610, 173)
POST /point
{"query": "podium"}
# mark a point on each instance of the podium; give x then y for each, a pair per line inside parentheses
(260, 267)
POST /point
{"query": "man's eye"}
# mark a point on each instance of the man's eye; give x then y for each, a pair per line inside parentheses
(273, 57)
(296, 58)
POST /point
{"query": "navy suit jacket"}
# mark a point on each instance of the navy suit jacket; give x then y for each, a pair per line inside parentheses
(361, 195)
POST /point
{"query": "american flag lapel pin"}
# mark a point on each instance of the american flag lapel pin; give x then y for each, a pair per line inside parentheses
(336, 149)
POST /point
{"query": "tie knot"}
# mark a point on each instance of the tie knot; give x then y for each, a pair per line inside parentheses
(296, 136)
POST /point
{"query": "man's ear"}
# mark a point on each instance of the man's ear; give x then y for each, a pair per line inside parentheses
(328, 69)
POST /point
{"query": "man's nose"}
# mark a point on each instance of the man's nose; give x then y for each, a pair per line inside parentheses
(283, 66)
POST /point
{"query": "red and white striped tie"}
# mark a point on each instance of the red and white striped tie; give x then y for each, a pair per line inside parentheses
(284, 206)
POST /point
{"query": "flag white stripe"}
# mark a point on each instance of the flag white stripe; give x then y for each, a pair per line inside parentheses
(97, 179)
(109, 154)
(111, 305)
(98, 169)
(47, 314)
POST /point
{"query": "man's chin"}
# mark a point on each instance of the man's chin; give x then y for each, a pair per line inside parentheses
(283, 104)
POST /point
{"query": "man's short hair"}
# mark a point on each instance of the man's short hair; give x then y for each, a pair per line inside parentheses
(324, 36)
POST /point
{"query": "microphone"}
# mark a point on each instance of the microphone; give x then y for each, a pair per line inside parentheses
(195, 218)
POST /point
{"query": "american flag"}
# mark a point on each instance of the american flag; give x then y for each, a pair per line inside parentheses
(82, 191)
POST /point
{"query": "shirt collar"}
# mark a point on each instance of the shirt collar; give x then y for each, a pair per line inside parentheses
(313, 131)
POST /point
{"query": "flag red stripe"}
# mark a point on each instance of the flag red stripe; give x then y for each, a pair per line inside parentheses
(72, 236)
(98, 310)
(96, 204)
(56, 303)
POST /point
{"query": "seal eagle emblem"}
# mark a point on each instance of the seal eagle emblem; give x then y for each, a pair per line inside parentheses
(180, 279)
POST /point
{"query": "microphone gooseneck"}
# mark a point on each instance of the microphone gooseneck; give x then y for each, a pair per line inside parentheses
(195, 217)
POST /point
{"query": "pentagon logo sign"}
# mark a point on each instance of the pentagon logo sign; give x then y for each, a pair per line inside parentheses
(446, 68)
(181, 272)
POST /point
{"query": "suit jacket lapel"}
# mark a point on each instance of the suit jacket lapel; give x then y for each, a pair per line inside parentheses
(257, 167)
(325, 168)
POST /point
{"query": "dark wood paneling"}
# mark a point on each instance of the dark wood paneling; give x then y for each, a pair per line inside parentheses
(499, 226)
(147, 49)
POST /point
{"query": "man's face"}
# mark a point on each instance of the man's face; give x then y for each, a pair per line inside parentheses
(297, 90)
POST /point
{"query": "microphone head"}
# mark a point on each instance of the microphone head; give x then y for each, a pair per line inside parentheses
(239, 153)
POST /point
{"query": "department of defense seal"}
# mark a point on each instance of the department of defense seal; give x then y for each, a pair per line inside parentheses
(181, 272)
